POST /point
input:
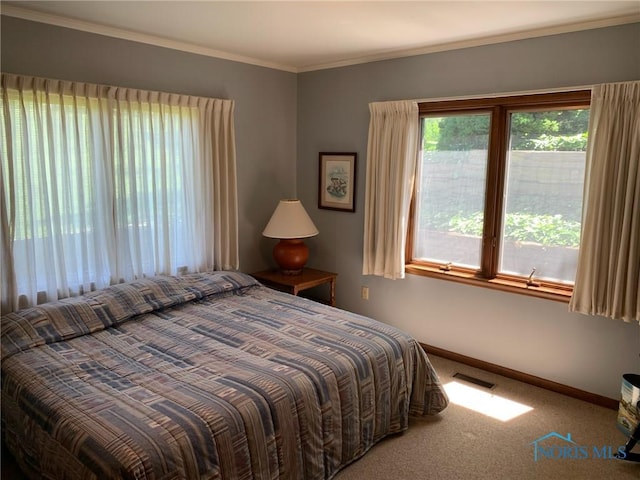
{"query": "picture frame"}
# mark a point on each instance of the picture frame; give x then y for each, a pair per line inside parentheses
(337, 181)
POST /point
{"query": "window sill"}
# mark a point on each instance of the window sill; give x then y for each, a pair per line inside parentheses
(550, 293)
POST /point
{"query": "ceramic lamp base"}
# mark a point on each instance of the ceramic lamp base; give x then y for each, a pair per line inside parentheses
(291, 255)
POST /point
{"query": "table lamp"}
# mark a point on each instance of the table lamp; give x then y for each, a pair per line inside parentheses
(291, 224)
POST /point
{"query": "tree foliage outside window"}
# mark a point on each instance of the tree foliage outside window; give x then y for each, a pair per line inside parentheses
(546, 131)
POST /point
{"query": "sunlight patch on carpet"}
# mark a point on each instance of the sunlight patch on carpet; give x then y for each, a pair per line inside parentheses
(485, 402)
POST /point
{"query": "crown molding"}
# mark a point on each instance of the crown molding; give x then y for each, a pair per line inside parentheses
(91, 27)
(479, 42)
(123, 34)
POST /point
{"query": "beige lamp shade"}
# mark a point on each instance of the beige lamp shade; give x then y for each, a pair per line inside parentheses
(290, 220)
(290, 223)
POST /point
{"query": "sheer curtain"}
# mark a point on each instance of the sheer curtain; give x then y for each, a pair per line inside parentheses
(608, 276)
(391, 163)
(103, 184)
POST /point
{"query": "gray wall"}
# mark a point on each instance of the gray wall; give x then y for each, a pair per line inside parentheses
(283, 120)
(265, 105)
(531, 335)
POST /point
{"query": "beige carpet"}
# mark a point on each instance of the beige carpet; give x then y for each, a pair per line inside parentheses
(463, 444)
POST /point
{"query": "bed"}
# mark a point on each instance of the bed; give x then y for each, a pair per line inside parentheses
(209, 375)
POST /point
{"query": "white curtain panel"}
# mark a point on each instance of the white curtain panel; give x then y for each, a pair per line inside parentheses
(104, 184)
(391, 163)
(608, 276)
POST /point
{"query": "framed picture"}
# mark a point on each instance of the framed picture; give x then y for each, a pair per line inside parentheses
(337, 181)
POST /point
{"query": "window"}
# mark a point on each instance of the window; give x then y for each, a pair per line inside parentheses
(498, 191)
(104, 184)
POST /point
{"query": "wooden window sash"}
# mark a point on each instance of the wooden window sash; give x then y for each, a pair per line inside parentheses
(500, 109)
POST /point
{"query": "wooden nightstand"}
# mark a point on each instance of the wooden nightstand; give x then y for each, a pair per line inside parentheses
(294, 284)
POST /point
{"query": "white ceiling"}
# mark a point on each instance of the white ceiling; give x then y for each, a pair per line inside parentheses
(307, 35)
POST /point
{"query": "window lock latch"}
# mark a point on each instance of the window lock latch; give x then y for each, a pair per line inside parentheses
(446, 267)
(530, 282)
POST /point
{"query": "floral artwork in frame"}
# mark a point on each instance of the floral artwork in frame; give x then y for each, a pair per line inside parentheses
(337, 181)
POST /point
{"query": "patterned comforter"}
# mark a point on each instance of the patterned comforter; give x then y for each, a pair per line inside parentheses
(203, 376)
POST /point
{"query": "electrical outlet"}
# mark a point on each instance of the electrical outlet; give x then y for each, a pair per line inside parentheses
(364, 292)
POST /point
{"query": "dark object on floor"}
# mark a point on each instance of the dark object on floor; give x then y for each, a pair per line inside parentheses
(630, 400)
(633, 439)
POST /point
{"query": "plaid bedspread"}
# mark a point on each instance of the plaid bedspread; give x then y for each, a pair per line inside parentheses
(203, 376)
